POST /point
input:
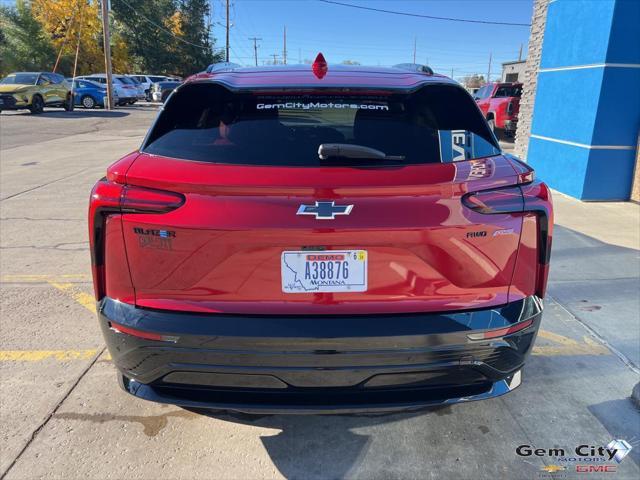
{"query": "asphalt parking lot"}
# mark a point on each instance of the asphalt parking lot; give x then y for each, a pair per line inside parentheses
(62, 414)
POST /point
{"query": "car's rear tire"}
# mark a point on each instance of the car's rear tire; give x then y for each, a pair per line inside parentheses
(37, 104)
(87, 101)
(68, 104)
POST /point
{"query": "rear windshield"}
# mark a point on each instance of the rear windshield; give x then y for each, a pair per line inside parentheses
(509, 91)
(207, 122)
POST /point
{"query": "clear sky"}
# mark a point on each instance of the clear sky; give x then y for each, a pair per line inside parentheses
(374, 38)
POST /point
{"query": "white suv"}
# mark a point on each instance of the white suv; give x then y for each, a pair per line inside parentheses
(147, 82)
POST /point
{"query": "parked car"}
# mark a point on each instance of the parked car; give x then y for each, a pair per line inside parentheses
(147, 82)
(89, 94)
(212, 69)
(348, 239)
(33, 91)
(161, 90)
(500, 104)
(135, 92)
(126, 93)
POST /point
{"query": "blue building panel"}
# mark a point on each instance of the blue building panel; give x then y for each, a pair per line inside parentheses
(588, 174)
(567, 104)
(562, 167)
(609, 175)
(577, 32)
(588, 105)
(618, 115)
(624, 44)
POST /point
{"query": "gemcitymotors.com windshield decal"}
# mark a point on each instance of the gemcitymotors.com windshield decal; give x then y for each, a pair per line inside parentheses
(320, 106)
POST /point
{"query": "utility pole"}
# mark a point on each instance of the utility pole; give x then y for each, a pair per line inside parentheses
(414, 49)
(284, 50)
(106, 38)
(227, 49)
(489, 70)
(452, 74)
(275, 58)
(255, 48)
(520, 54)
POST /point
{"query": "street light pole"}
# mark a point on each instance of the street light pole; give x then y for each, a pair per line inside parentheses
(106, 38)
(227, 49)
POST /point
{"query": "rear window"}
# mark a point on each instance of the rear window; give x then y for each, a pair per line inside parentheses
(509, 91)
(207, 122)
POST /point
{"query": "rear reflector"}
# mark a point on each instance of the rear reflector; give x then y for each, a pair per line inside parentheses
(142, 334)
(500, 332)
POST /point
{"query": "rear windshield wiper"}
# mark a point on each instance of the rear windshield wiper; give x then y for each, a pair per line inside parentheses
(348, 150)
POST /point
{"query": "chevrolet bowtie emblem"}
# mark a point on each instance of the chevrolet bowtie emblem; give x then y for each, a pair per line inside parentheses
(553, 468)
(324, 210)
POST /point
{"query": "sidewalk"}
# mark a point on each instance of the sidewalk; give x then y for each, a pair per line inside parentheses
(595, 269)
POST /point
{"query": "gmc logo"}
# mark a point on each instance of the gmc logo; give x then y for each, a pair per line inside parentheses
(596, 468)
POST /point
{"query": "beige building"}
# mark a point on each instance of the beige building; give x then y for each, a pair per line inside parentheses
(513, 71)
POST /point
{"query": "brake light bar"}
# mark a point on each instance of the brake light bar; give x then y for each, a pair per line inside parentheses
(500, 332)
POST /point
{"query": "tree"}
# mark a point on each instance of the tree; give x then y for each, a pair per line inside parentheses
(198, 52)
(69, 21)
(473, 81)
(350, 62)
(26, 46)
(166, 36)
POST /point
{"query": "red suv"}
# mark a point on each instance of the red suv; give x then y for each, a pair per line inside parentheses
(319, 239)
(500, 103)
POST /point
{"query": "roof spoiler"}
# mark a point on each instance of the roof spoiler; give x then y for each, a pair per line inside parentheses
(415, 67)
(221, 67)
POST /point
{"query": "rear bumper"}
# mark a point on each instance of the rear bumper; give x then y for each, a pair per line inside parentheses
(510, 125)
(317, 364)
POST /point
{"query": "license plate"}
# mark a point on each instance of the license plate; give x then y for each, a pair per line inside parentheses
(324, 271)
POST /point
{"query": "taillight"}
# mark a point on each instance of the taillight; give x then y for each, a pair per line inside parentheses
(108, 198)
(527, 197)
(510, 108)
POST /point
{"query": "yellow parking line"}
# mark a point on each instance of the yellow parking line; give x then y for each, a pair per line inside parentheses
(39, 355)
(47, 277)
(568, 346)
(84, 299)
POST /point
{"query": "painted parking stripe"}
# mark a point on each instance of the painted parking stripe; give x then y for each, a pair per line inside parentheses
(41, 355)
(78, 277)
(86, 300)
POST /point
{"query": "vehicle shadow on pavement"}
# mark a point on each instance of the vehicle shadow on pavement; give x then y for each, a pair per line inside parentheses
(317, 446)
(598, 283)
(76, 114)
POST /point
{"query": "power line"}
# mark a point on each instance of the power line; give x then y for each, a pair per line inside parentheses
(431, 17)
(168, 32)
